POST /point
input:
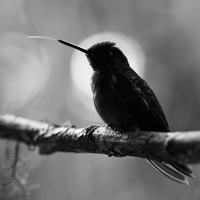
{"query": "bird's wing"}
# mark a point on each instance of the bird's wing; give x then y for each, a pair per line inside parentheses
(140, 103)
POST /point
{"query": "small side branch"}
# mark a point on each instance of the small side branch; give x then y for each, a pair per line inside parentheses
(182, 147)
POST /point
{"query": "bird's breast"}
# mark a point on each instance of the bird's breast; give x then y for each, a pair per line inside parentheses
(106, 102)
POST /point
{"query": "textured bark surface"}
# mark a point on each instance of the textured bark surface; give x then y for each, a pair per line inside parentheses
(182, 147)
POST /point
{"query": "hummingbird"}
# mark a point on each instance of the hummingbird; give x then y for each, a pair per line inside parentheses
(124, 101)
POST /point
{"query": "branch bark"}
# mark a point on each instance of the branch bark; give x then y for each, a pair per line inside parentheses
(182, 147)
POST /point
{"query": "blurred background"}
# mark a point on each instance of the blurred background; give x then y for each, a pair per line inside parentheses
(44, 80)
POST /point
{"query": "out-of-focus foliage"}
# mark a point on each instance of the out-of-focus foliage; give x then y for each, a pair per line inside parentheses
(36, 82)
(14, 174)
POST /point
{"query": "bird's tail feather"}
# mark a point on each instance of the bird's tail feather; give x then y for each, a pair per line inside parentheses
(184, 169)
(173, 171)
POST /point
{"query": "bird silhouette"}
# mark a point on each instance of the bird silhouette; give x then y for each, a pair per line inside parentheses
(124, 100)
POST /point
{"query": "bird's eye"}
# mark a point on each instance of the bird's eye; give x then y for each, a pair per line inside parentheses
(110, 53)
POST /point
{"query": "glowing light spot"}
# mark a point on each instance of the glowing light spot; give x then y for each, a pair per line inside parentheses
(23, 72)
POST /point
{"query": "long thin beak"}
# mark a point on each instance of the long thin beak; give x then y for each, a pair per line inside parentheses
(61, 41)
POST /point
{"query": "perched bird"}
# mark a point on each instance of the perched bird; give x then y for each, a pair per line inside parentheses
(125, 101)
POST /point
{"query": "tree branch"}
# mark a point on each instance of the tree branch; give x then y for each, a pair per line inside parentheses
(182, 147)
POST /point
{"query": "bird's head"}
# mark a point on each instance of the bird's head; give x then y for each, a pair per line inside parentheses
(106, 57)
(101, 56)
